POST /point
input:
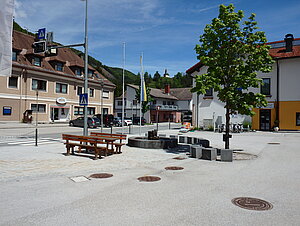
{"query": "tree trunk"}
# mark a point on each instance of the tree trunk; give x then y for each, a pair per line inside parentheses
(227, 136)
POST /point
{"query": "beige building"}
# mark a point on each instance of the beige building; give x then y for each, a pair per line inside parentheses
(49, 87)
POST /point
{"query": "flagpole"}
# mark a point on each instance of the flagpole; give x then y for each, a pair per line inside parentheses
(123, 99)
(141, 90)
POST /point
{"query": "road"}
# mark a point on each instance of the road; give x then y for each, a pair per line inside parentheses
(52, 133)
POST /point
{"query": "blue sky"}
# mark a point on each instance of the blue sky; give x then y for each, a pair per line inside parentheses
(166, 31)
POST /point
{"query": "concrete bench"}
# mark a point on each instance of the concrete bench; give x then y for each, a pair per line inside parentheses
(196, 151)
(209, 153)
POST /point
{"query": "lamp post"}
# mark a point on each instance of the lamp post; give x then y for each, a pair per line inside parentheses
(85, 129)
(102, 82)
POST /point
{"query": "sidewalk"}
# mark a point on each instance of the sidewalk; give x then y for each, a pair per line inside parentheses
(17, 125)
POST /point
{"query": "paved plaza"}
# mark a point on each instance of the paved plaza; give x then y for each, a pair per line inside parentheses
(36, 186)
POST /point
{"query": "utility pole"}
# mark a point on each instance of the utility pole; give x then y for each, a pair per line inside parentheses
(36, 117)
(85, 129)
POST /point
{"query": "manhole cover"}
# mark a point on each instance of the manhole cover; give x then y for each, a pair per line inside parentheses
(179, 158)
(174, 168)
(101, 175)
(149, 178)
(274, 143)
(252, 203)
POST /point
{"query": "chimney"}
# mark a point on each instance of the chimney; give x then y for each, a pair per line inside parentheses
(167, 89)
(289, 38)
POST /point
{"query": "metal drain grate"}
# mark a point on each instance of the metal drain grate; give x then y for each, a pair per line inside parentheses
(174, 168)
(149, 179)
(252, 203)
(179, 158)
(101, 175)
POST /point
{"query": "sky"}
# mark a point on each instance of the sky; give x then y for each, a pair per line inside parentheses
(164, 31)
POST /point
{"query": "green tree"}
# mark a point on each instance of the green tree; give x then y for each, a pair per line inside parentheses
(145, 104)
(234, 51)
(156, 76)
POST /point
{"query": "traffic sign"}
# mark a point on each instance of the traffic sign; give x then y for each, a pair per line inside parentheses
(83, 99)
(41, 33)
(49, 37)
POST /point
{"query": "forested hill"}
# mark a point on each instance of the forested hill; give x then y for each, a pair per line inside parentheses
(115, 74)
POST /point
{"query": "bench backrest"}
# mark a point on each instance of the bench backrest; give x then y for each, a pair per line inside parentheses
(119, 136)
(88, 139)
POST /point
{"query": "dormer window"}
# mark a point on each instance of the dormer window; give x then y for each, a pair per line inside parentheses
(90, 73)
(59, 66)
(78, 72)
(36, 61)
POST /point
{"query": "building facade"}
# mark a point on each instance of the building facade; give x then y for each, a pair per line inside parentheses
(279, 87)
(47, 88)
(167, 105)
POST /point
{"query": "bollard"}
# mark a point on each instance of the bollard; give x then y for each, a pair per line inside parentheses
(226, 155)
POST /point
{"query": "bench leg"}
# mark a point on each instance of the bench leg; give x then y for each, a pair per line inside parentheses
(68, 149)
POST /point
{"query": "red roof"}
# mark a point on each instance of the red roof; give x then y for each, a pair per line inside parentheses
(274, 52)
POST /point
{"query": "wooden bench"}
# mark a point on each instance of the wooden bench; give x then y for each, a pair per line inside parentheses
(87, 142)
(120, 137)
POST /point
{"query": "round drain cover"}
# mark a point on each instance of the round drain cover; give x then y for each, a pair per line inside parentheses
(101, 175)
(252, 203)
(179, 158)
(149, 178)
(174, 168)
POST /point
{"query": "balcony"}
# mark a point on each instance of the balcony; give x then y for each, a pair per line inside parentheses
(164, 107)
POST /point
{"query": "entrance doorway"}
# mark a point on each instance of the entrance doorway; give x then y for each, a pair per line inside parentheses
(265, 119)
(59, 114)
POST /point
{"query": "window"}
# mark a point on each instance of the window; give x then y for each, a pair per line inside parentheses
(78, 110)
(13, 82)
(61, 88)
(39, 85)
(120, 103)
(105, 111)
(297, 118)
(154, 102)
(91, 92)
(14, 56)
(78, 71)
(38, 108)
(7, 110)
(91, 111)
(105, 94)
(134, 102)
(209, 93)
(36, 61)
(90, 72)
(79, 90)
(59, 66)
(164, 102)
(266, 86)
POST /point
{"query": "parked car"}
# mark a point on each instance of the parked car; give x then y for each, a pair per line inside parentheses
(107, 119)
(136, 120)
(127, 121)
(92, 122)
(117, 121)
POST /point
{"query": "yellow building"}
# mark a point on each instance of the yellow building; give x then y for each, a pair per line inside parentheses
(50, 86)
(281, 87)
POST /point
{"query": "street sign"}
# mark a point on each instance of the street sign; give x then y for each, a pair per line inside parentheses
(83, 99)
(41, 33)
(49, 37)
(39, 47)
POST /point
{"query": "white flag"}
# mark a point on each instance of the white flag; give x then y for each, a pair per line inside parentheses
(6, 25)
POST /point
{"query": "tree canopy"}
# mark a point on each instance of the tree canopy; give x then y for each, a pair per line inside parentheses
(234, 51)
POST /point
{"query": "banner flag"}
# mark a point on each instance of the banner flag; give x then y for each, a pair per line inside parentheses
(6, 27)
(143, 85)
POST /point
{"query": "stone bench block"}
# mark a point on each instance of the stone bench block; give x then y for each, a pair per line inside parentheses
(190, 140)
(183, 139)
(196, 151)
(226, 155)
(203, 142)
(209, 154)
(162, 135)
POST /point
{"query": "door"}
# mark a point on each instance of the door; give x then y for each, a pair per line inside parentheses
(55, 111)
(265, 120)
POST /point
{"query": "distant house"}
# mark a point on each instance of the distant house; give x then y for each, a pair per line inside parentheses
(50, 86)
(281, 87)
(168, 104)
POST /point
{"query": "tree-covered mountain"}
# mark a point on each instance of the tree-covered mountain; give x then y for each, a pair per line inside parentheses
(115, 75)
